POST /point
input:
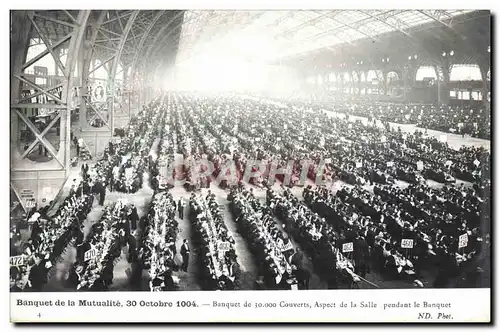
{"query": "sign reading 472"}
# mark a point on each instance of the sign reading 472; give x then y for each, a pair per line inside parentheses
(16, 260)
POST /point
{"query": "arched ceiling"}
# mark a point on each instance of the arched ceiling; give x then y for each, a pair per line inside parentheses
(308, 38)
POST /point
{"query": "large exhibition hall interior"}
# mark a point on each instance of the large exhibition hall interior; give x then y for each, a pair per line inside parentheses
(172, 150)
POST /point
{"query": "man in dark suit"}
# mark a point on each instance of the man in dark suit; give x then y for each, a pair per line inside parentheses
(185, 255)
(297, 258)
(360, 255)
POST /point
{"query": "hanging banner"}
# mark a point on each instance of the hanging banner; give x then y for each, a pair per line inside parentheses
(98, 92)
(75, 98)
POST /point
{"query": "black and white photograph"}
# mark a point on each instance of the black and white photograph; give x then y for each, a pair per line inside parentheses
(199, 150)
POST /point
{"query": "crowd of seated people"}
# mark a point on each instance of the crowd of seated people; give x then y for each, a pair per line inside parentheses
(319, 240)
(124, 161)
(157, 245)
(163, 157)
(217, 256)
(430, 218)
(358, 222)
(52, 232)
(50, 237)
(227, 128)
(223, 129)
(272, 250)
(99, 252)
(463, 120)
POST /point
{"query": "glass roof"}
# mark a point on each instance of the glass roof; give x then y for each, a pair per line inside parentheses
(269, 35)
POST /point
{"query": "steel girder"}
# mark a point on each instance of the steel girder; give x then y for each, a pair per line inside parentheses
(146, 64)
(54, 96)
(109, 34)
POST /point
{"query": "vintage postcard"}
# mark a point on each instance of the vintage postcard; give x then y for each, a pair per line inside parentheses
(250, 165)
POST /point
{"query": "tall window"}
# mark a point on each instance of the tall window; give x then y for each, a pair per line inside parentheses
(36, 47)
(425, 72)
(465, 73)
(100, 72)
(355, 76)
(392, 77)
(372, 75)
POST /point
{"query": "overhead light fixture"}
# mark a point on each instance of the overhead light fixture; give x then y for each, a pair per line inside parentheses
(383, 60)
(387, 59)
(444, 54)
(452, 52)
(415, 56)
(489, 50)
(409, 58)
(361, 62)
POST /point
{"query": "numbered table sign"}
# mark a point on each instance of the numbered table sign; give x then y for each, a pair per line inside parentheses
(286, 247)
(347, 247)
(463, 240)
(156, 289)
(30, 204)
(407, 243)
(328, 160)
(16, 260)
(390, 163)
(224, 246)
(359, 164)
(420, 165)
(90, 254)
(476, 162)
(300, 138)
